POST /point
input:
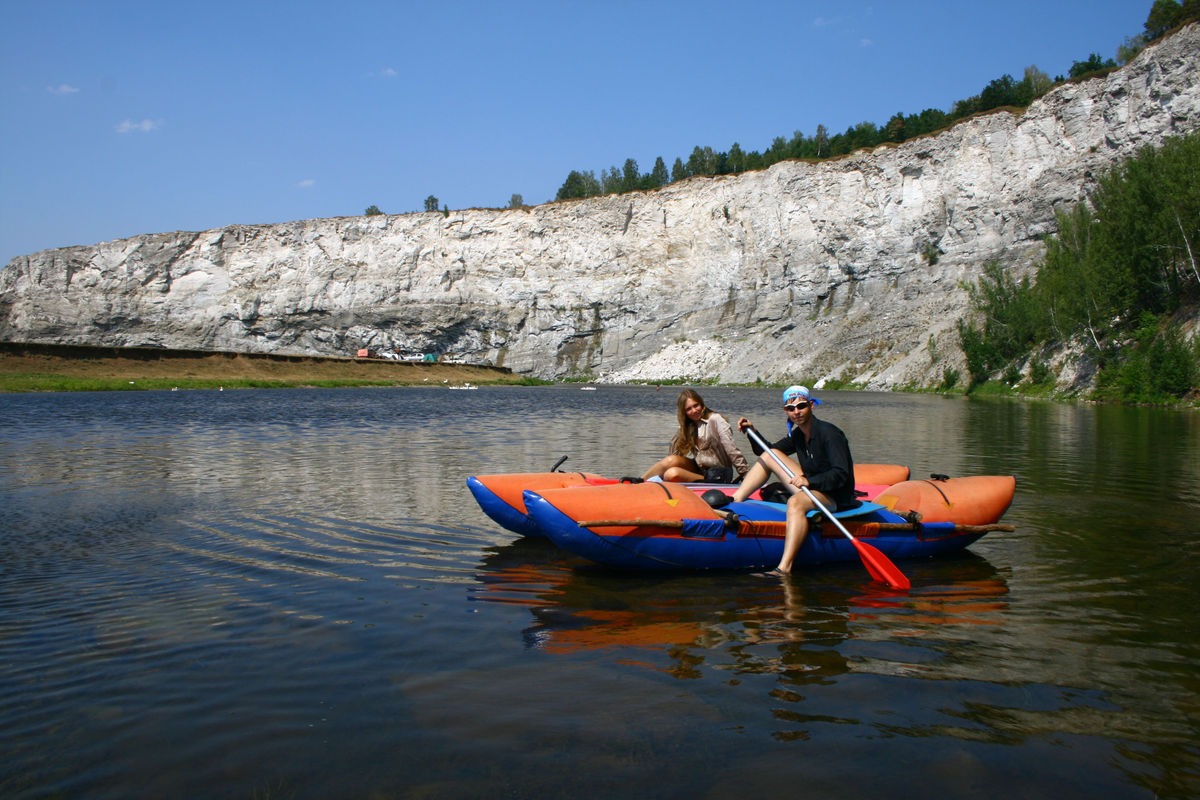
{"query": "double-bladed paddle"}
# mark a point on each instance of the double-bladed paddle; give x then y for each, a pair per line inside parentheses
(879, 565)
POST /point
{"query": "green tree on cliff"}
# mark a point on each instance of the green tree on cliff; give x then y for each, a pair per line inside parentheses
(578, 184)
(659, 175)
(1168, 14)
(1094, 63)
(629, 176)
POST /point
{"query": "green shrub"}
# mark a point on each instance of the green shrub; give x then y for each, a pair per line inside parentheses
(931, 253)
(1039, 373)
(1157, 367)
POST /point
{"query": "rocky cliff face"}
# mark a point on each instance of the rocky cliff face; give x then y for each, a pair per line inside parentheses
(799, 271)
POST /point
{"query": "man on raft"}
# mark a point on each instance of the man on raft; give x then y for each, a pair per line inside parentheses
(822, 462)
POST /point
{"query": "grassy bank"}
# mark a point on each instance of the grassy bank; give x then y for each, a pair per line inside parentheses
(46, 368)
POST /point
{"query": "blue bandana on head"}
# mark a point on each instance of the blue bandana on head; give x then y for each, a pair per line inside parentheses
(797, 392)
(794, 393)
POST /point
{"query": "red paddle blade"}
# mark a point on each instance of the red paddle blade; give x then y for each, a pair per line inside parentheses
(881, 567)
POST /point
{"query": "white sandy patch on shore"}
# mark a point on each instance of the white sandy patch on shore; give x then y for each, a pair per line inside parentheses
(692, 361)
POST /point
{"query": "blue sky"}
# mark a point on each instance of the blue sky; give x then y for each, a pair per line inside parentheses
(122, 118)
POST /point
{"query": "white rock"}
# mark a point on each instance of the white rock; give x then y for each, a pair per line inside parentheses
(800, 269)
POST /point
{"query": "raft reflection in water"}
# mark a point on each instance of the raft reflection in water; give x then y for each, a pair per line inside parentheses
(702, 618)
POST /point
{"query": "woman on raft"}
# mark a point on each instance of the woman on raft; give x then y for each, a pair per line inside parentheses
(702, 449)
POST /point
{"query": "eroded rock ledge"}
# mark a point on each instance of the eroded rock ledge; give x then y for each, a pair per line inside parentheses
(798, 270)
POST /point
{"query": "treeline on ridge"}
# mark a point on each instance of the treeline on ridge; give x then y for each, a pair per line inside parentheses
(1003, 92)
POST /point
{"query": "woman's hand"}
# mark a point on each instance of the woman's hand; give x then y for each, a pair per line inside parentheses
(799, 481)
(743, 424)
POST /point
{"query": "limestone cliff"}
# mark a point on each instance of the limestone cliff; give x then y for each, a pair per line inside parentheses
(801, 270)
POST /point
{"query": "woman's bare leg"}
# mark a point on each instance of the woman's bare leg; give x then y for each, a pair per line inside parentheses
(673, 465)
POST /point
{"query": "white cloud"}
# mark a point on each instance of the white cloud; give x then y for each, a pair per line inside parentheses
(388, 72)
(145, 126)
(306, 183)
(62, 88)
(866, 42)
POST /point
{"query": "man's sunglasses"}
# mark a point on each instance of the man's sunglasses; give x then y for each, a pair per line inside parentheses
(796, 406)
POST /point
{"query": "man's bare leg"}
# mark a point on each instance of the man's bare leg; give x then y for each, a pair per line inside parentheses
(796, 530)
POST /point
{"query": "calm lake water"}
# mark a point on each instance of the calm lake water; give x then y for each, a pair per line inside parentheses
(291, 593)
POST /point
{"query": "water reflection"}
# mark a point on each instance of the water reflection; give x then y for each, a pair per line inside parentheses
(579, 607)
(1017, 676)
(296, 588)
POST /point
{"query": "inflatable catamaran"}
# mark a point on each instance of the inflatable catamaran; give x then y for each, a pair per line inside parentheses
(668, 526)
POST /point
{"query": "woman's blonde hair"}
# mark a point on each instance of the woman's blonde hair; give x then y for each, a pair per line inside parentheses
(685, 439)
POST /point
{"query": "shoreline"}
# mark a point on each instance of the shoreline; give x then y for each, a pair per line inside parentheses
(26, 367)
(31, 367)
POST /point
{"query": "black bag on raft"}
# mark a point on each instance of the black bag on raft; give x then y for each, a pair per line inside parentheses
(774, 493)
(718, 475)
